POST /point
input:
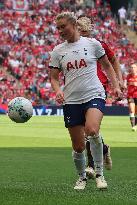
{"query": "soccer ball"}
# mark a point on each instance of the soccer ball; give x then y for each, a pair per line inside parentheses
(20, 110)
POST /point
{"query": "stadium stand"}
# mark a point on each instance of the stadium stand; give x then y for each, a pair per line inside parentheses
(27, 37)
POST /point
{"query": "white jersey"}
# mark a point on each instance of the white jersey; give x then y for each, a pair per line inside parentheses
(78, 62)
(122, 12)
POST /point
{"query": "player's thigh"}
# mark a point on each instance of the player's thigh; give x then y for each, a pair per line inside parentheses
(131, 105)
(93, 121)
(77, 135)
(135, 105)
(94, 110)
(73, 115)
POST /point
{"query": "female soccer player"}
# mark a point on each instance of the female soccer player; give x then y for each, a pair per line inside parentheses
(132, 95)
(85, 27)
(83, 96)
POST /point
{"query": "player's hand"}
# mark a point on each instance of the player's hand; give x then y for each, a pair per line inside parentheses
(60, 97)
(122, 86)
(118, 94)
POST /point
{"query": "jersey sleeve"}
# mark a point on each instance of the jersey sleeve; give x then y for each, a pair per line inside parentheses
(99, 50)
(54, 61)
(110, 54)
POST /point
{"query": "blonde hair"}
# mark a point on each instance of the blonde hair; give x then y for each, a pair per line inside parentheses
(68, 15)
(85, 23)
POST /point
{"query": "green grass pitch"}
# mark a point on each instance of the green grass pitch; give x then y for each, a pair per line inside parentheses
(36, 167)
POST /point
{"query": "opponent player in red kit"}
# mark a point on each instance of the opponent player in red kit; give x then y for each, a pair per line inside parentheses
(85, 26)
(132, 95)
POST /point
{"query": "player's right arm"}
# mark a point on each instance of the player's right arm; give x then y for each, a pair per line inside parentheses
(54, 77)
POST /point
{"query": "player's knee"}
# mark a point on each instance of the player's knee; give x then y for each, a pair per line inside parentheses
(79, 148)
(91, 130)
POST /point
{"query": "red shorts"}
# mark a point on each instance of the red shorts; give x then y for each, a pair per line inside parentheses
(132, 100)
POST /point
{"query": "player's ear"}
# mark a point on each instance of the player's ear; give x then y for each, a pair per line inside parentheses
(73, 23)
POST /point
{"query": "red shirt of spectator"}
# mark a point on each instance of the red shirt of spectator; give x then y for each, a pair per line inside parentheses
(131, 89)
(110, 54)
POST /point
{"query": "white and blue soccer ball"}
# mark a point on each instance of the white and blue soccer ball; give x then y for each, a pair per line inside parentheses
(20, 110)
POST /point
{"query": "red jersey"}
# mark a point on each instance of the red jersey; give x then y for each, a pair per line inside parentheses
(131, 89)
(110, 54)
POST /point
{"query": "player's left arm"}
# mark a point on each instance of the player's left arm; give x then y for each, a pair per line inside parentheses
(111, 74)
(115, 63)
(116, 66)
(103, 60)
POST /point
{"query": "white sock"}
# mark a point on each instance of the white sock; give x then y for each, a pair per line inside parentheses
(96, 147)
(80, 163)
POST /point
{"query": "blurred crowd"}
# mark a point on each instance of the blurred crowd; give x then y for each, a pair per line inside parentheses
(128, 18)
(26, 39)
